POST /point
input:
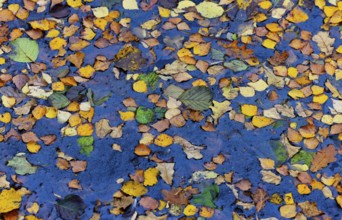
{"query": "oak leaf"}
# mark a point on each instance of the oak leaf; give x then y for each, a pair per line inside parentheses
(323, 157)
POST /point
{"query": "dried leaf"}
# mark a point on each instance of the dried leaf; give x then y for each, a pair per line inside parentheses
(323, 157)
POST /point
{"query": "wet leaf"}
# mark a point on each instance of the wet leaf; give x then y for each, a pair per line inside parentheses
(60, 11)
(166, 171)
(134, 188)
(71, 207)
(191, 151)
(324, 42)
(86, 144)
(207, 196)
(9, 200)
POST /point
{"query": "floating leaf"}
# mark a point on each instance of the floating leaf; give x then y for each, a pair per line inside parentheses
(60, 11)
(207, 196)
(58, 100)
(71, 207)
(323, 157)
(9, 200)
(197, 98)
(21, 165)
(134, 188)
(324, 42)
(236, 65)
(86, 144)
(144, 115)
(25, 50)
(303, 157)
(209, 9)
(150, 79)
(166, 171)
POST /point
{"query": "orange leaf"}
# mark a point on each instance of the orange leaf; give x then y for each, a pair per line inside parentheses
(323, 157)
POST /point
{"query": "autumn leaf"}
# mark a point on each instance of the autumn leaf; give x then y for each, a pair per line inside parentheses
(9, 200)
(166, 171)
(323, 158)
(324, 42)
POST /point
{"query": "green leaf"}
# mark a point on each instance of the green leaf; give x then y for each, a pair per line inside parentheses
(150, 79)
(160, 112)
(303, 157)
(58, 100)
(279, 151)
(144, 115)
(71, 207)
(21, 165)
(207, 196)
(236, 65)
(86, 144)
(197, 98)
(99, 101)
(25, 50)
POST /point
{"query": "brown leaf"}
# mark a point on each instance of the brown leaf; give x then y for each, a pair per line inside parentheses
(310, 209)
(49, 139)
(278, 58)
(323, 157)
(244, 184)
(148, 203)
(191, 151)
(102, 128)
(175, 196)
(24, 123)
(6, 15)
(78, 166)
(129, 58)
(123, 202)
(260, 197)
(166, 171)
(29, 136)
(20, 80)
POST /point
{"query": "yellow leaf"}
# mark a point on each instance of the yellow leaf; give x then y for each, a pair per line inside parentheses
(130, 4)
(339, 200)
(249, 110)
(292, 72)
(265, 4)
(202, 49)
(9, 200)
(261, 121)
(296, 94)
(33, 147)
(288, 211)
(39, 112)
(100, 12)
(150, 177)
(274, 27)
(101, 23)
(43, 25)
(34, 208)
(85, 129)
(88, 114)
(6, 117)
(339, 49)
(32, 217)
(317, 90)
(288, 198)
(185, 4)
(150, 24)
(243, 4)
(303, 189)
(58, 86)
(140, 86)
(164, 12)
(321, 99)
(209, 9)
(13, 8)
(190, 210)
(320, 3)
(88, 34)
(270, 44)
(57, 43)
(163, 140)
(2, 60)
(8, 102)
(329, 10)
(134, 188)
(75, 3)
(86, 71)
(126, 116)
(266, 164)
(259, 85)
(297, 15)
(74, 120)
(51, 112)
(52, 33)
(206, 212)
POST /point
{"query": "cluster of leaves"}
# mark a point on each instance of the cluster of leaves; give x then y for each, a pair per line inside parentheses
(300, 81)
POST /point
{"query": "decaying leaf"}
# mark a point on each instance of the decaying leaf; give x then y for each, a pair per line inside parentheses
(166, 171)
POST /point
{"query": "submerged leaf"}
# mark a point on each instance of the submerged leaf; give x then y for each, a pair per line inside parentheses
(71, 207)
(58, 100)
(144, 115)
(21, 165)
